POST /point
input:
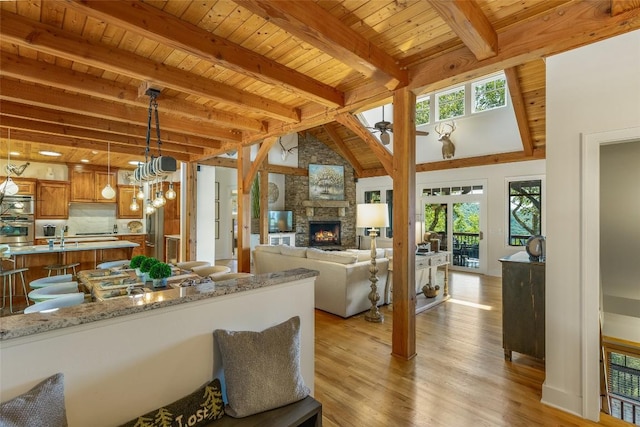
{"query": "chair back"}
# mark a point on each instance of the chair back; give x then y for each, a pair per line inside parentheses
(113, 264)
(51, 280)
(210, 270)
(63, 301)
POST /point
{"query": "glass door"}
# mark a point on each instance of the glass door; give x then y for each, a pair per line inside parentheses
(456, 214)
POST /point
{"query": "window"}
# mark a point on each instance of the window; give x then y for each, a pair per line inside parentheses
(525, 210)
(489, 94)
(453, 191)
(450, 104)
(623, 382)
(423, 111)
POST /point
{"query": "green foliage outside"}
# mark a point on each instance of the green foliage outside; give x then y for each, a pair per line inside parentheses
(136, 261)
(466, 217)
(435, 218)
(423, 111)
(525, 206)
(490, 95)
(451, 104)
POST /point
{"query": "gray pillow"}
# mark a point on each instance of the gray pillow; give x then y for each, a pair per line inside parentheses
(42, 406)
(261, 369)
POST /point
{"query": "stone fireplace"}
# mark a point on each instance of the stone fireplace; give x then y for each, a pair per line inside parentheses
(324, 233)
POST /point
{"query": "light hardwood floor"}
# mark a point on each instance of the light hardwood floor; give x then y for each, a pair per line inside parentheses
(458, 378)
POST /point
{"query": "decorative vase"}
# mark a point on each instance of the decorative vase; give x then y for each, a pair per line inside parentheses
(160, 283)
(430, 291)
(139, 273)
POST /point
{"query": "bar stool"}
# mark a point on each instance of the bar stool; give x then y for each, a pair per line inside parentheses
(61, 268)
(9, 278)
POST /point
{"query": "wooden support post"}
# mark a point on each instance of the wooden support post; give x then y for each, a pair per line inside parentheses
(404, 244)
(188, 247)
(244, 211)
(264, 203)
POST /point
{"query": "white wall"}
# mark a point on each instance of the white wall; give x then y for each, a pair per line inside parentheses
(620, 239)
(592, 89)
(227, 180)
(495, 177)
(206, 242)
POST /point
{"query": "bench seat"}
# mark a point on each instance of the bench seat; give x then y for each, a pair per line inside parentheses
(306, 413)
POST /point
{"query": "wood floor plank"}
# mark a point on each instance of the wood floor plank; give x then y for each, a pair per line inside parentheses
(458, 378)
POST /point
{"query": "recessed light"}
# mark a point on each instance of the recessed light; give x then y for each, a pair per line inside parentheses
(50, 153)
(14, 153)
(84, 160)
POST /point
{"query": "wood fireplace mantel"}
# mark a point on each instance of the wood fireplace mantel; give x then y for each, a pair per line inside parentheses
(341, 205)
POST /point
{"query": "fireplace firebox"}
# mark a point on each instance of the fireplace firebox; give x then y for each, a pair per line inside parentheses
(324, 233)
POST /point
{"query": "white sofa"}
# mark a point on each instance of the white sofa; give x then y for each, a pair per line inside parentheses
(343, 286)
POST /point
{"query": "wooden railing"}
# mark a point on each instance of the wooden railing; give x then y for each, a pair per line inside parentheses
(623, 378)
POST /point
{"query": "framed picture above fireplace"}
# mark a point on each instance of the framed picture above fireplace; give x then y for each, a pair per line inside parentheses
(326, 182)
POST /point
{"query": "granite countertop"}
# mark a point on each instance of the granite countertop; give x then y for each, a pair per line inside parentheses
(72, 247)
(22, 325)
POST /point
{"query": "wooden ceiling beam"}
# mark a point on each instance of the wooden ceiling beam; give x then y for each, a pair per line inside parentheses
(316, 26)
(517, 100)
(378, 149)
(91, 107)
(53, 142)
(164, 28)
(53, 41)
(565, 27)
(48, 74)
(491, 159)
(92, 135)
(467, 20)
(38, 114)
(256, 165)
(621, 6)
(343, 150)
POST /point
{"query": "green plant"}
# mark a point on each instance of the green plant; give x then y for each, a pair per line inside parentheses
(255, 198)
(147, 264)
(136, 261)
(160, 270)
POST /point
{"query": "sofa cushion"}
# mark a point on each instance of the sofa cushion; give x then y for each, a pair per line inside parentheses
(332, 256)
(42, 406)
(268, 248)
(293, 251)
(261, 369)
(365, 254)
(197, 409)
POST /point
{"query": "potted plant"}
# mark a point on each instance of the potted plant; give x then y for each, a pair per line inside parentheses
(159, 273)
(146, 266)
(136, 262)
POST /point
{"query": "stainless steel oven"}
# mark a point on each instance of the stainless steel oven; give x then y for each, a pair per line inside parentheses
(17, 230)
(17, 206)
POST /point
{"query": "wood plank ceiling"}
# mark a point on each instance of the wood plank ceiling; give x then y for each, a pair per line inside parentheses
(73, 74)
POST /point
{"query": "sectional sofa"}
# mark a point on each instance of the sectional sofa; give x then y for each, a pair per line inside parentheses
(343, 286)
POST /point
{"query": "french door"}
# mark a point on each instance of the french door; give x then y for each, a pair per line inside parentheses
(459, 220)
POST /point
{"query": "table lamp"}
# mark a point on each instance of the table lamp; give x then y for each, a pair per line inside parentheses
(374, 216)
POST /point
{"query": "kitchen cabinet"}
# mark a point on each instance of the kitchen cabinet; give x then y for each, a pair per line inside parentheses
(87, 184)
(26, 186)
(125, 195)
(523, 311)
(52, 199)
(172, 210)
(135, 238)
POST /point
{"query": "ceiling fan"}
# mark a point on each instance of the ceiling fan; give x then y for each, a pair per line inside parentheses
(284, 153)
(385, 127)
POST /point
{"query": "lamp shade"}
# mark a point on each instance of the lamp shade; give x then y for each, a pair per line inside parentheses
(374, 215)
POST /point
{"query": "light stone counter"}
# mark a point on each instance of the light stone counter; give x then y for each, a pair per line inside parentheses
(72, 247)
(29, 324)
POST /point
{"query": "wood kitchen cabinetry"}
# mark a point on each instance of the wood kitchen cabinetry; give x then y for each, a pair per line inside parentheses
(135, 238)
(172, 210)
(125, 196)
(87, 184)
(52, 199)
(26, 186)
(523, 313)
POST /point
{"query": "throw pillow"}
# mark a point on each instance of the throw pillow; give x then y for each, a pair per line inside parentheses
(333, 256)
(42, 406)
(261, 369)
(293, 251)
(197, 409)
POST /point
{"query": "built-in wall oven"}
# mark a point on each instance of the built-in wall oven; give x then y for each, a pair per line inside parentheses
(17, 224)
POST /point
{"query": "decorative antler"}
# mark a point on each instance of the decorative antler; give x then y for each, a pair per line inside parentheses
(451, 126)
(448, 147)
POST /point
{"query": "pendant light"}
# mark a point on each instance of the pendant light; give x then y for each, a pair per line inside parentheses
(171, 193)
(8, 187)
(108, 192)
(140, 195)
(134, 204)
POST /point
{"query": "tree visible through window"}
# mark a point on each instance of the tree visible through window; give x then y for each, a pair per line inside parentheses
(423, 113)
(451, 103)
(489, 94)
(525, 210)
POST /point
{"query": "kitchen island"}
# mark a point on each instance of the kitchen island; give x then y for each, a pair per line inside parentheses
(87, 254)
(159, 346)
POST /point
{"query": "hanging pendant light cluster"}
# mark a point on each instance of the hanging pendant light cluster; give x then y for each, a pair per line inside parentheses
(108, 192)
(8, 187)
(155, 169)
